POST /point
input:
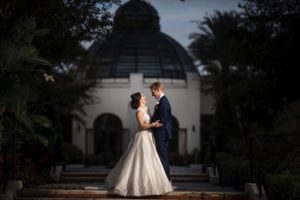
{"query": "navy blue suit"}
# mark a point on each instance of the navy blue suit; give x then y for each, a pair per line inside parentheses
(163, 135)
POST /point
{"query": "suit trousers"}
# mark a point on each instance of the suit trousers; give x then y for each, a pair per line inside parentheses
(162, 150)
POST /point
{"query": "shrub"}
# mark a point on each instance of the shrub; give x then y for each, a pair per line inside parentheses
(234, 170)
(72, 154)
(31, 173)
(176, 159)
(283, 186)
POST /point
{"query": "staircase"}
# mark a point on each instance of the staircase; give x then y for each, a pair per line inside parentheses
(77, 177)
(88, 184)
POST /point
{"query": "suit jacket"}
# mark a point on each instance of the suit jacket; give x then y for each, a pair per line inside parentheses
(162, 112)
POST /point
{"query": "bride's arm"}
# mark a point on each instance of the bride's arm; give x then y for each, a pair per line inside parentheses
(145, 125)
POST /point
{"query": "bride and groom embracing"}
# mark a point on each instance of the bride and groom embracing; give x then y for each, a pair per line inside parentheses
(144, 168)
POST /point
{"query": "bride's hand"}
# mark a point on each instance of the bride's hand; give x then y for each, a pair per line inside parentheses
(157, 124)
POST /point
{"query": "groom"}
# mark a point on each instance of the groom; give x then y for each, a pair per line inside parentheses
(162, 135)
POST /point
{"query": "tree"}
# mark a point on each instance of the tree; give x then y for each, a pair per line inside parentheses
(273, 64)
(225, 123)
(35, 95)
(216, 47)
(265, 66)
(21, 71)
(67, 23)
(62, 26)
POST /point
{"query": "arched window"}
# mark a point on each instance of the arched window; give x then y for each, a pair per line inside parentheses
(108, 137)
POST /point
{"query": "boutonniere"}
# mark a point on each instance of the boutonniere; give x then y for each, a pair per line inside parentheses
(156, 105)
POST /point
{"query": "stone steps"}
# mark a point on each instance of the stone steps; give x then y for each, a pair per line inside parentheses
(68, 177)
(88, 184)
(47, 194)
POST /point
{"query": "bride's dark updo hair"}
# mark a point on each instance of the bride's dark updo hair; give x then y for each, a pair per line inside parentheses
(135, 100)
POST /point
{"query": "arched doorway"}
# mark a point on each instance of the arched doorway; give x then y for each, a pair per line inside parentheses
(108, 137)
(174, 145)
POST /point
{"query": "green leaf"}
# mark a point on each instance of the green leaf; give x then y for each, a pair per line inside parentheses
(15, 55)
(41, 120)
(41, 32)
(26, 122)
(38, 61)
(42, 139)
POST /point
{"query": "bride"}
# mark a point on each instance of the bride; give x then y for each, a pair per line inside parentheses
(139, 171)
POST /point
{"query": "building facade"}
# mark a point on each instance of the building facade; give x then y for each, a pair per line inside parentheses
(135, 55)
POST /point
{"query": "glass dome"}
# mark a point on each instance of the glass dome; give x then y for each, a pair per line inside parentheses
(136, 14)
(136, 45)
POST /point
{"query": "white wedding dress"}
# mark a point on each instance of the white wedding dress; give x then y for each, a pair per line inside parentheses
(139, 171)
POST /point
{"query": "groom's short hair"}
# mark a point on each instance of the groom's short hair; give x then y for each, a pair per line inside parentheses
(157, 86)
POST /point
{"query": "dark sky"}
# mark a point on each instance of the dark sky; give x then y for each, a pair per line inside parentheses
(176, 16)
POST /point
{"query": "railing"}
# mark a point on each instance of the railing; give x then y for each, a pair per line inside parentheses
(212, 153)
(256, 160)
(8, 159)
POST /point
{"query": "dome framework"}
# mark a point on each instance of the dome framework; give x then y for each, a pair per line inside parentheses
(137, 45)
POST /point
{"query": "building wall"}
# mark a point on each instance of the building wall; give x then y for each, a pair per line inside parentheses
(113, 96)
